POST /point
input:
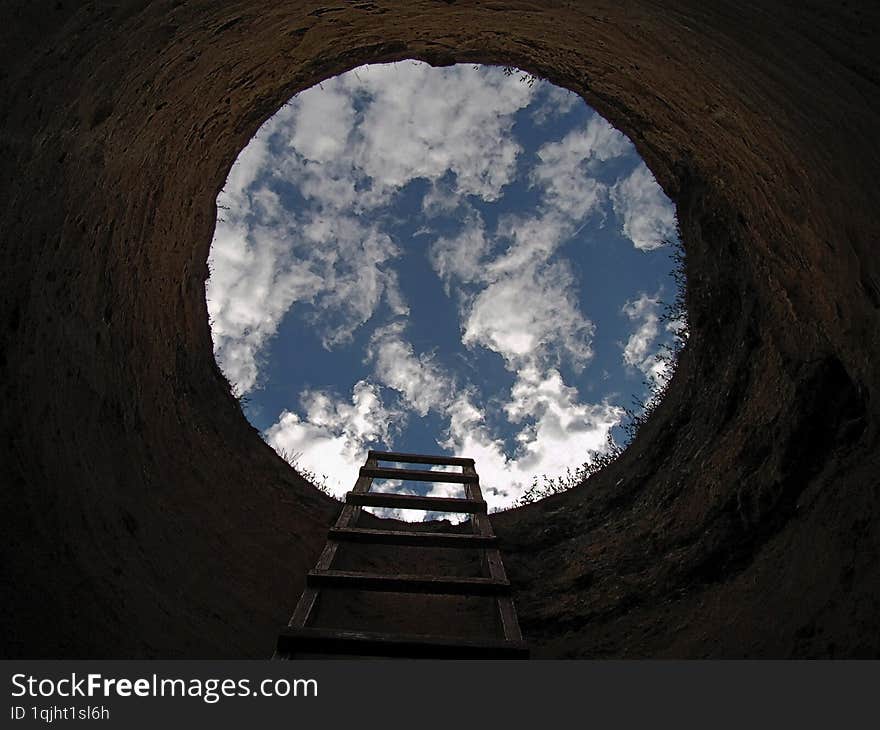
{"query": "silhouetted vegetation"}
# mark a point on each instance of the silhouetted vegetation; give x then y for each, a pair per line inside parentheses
(317, 481)
(524, 76)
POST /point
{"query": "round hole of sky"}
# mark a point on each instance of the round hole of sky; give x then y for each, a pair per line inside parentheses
(462, 260)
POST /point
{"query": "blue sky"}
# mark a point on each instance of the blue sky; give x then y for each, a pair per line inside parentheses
(440, 260)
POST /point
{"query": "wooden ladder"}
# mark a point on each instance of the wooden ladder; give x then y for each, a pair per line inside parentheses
(299, 637)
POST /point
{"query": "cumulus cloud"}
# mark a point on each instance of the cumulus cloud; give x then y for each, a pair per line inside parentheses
(462, 257)
(530, 241)
(557, 103)
(349, 254)
(549, 328)
(557, 431)
(421, 381)
(648, 215)
(493, 275)
(644, 344)
(422, 122)
(259, 271)
(322, 119)
(441, 199)
(565, 170)
(253, 283)
(362, 136)
(562, 425)
(333, 436)
(519, 298)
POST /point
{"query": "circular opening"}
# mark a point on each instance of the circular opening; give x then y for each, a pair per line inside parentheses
(464, 260)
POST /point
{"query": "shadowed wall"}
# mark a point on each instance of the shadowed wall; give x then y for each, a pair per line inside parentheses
(142, 514)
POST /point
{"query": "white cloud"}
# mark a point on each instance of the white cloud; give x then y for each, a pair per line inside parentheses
(333, 437)
(648, 215)
(462, 257)
(557, 102)
(643, 345)
(423, 384)
(245, 171)
(550, 327)
(492, 289)
(518, 298)
(532, 242)
(564, 429)
(349, 255)
(364, 135)
(441, 199)
(557, 432)
(323, 119)
(565, 168)
(555, 429)
(253, 283)
(422, 122)
(258, 272)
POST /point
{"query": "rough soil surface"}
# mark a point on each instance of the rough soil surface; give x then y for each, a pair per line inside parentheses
(142, 515)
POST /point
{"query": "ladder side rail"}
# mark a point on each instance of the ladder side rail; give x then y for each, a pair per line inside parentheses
(492, 565)
(308, 601)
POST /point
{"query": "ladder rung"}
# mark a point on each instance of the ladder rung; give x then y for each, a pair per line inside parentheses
(417, 475)
(403, 458)
(426, 539)
(414, 501)
(402, 583)
(371, 643)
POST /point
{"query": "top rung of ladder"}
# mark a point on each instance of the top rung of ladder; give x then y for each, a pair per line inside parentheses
(402, 458)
